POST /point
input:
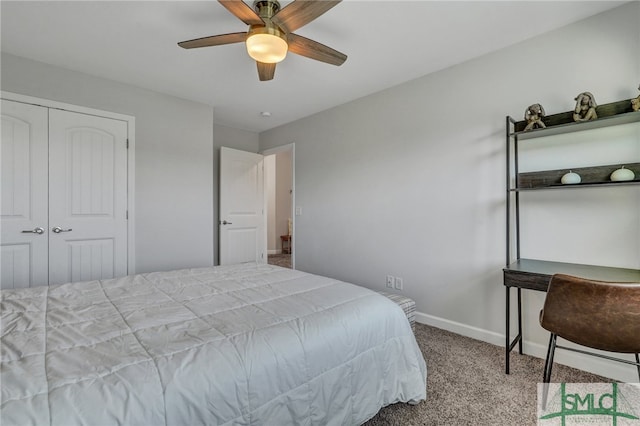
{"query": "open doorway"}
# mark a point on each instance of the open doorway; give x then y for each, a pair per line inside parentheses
(279, 200)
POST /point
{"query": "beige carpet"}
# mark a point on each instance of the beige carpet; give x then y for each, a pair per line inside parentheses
(466, 384)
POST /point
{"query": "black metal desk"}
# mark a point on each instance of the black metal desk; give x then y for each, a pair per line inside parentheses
(535, 275)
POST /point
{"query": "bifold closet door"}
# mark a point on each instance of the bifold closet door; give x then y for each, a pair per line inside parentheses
(87, 197)
(23, 196)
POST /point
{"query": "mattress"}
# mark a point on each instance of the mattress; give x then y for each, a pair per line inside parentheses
(247, 344)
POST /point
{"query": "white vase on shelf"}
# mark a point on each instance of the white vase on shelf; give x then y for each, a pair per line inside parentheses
(570, 178)
(622, 175)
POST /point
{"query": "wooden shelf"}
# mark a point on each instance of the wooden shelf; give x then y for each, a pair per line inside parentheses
(613, 114)
(591, 176)
(580, 185)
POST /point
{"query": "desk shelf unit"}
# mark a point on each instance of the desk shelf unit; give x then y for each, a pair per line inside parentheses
(535, 274)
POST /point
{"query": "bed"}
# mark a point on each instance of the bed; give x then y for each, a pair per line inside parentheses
(247, 344)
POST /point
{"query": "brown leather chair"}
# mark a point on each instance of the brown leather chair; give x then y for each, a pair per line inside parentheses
(596, 314)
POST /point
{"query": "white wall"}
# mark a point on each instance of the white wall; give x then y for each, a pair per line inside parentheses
(176, 158)
(270, 196)
(278, 186)
(278, 169)
(284, 186)
(410, 181)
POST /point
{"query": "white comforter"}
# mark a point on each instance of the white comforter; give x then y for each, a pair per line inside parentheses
(233, 345)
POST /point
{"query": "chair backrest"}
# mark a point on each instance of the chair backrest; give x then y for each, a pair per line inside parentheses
(597, 314)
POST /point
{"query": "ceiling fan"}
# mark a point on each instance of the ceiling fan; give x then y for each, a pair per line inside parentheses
(270, 33)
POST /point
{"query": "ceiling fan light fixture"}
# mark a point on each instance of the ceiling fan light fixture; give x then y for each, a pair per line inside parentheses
(271, 33)
(267, 45)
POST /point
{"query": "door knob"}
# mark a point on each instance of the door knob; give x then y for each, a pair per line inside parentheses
(224, 222)
(58, 230)
(37, 230)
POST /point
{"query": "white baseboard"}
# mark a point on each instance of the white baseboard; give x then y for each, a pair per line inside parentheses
(615, 370)
(274, 251)
(462, 329)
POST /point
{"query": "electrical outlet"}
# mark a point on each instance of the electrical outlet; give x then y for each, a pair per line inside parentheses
(298, 211)
(390, 281)
(399, 283)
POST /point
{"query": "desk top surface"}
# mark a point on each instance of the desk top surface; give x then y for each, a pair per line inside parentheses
(547, 268)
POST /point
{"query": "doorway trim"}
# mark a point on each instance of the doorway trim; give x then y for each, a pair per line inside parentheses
(292, 148)
(131, 157)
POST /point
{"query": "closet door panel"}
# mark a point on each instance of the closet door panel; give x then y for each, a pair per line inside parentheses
(23, 196)
(88, 197)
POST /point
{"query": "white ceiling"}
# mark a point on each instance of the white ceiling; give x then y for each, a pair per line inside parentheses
(387, 43)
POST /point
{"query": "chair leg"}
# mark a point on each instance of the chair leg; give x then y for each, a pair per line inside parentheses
(548, 364)
(638, 366)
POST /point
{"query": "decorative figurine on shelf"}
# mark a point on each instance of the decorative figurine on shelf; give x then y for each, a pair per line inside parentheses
(534, 115)
(585, 107)
(635, 102)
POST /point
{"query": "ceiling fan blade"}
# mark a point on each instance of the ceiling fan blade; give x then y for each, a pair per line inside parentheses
(301, 12)
(314, 50)
(215, 40)
(266, 71)
(242, 11)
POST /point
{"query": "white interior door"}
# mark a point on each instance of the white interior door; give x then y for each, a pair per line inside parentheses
(242, 204)
(87, 197)
(23, 191)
